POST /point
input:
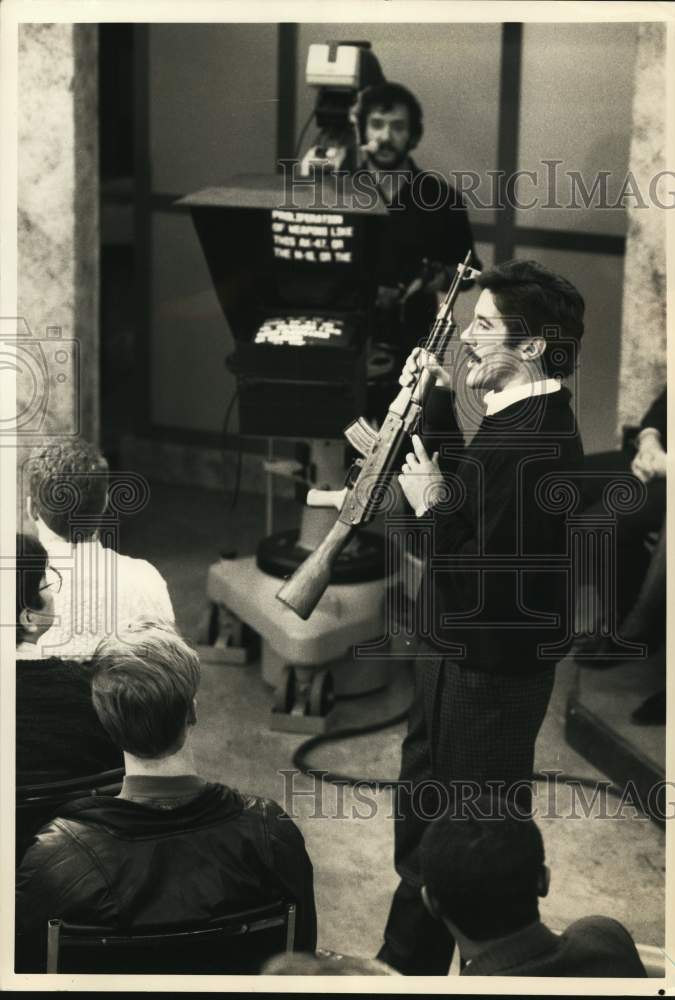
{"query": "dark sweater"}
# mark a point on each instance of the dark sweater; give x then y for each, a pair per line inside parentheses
(492, 574)
(58, 734)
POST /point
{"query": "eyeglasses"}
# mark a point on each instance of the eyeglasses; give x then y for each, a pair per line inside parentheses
(54, 583)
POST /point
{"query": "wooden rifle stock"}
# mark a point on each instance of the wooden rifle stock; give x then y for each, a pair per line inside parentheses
(304, 589)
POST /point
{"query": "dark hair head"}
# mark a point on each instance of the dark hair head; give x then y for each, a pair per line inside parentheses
(143, 686)
(31, 564)
(538, 303)
(69, 480)
(483, 873)
(385, 96)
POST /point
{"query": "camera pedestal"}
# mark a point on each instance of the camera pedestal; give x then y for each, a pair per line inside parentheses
(347, 614)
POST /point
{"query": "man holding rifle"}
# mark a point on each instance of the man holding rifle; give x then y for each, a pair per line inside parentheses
(494, 591)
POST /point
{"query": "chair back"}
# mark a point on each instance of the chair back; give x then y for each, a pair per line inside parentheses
(237, 943)
(38, 804)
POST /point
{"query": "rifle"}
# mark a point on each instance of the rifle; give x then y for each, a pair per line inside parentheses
(367, 480)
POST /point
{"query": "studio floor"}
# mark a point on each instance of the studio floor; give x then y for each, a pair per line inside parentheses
(611, 865)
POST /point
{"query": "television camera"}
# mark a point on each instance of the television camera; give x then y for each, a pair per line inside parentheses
(340, 71)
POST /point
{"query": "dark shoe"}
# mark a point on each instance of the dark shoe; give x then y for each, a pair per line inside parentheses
(652, 711)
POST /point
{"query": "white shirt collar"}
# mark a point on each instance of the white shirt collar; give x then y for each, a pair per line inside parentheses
(27, 651)
(54, 545)
(496, 401)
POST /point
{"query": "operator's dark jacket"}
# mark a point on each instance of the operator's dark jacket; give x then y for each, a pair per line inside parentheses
(121, 864)
(428, 218)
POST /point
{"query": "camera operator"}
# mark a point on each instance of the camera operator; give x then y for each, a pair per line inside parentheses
(427, 220)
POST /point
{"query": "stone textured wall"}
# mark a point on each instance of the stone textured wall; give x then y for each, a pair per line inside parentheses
(58, 230)
(643, 339)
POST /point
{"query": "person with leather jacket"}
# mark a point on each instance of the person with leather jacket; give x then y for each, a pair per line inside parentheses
(171, 848)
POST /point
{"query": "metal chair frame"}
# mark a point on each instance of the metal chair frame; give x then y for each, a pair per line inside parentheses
(60, 933)
(71, 788)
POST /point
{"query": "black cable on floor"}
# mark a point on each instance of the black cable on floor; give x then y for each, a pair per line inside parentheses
(574, 779)
(379, 784)
(226, 426)
(237, 475)
(302, 134)
(300, 755)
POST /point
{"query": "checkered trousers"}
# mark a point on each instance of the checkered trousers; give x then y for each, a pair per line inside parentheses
(465, 726)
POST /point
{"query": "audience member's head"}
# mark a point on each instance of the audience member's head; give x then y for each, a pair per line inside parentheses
(302, 964)
(144, 684)
(68, 483)
(483, 871)
(537, 303)
(34, 590)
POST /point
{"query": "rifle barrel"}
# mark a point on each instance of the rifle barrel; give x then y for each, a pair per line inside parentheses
(440, 328)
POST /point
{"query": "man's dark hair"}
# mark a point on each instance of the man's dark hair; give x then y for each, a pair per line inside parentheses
(69, 488)
(385, 96)
(482, 873)
(538, 303)
(31, 563)
(143, 686)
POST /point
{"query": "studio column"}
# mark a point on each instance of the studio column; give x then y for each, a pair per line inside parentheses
(58, 236)
(643, 337)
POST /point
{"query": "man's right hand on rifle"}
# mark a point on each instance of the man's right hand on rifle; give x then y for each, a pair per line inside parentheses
(419, 359)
